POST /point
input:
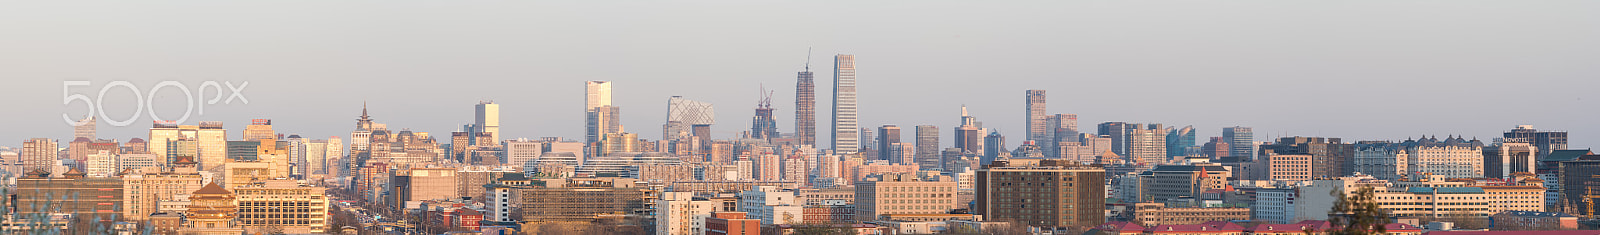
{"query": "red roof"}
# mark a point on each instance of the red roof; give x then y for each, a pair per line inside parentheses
(1280, 228)
(1121, 226)
(1191, 228)
(1568, 232)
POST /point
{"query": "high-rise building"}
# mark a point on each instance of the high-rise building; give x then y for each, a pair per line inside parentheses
(258, 129)
(39, 154)
(1241, 143)
(1217, 149)
(763, 125)
(284, 206)
(846, 131)
(968, 137)
(1118, 131)
(486, 118)
(927, 155)
(805, 108)
(84, 128)
(888, 135)
(603, 120)
(1179, 141)
(1002, 193)
(597, 94)
(683, 114)
(1059, 128)
(1545, 141)
(1147, 144)
(1035, 114)
(993, 145)
(143, 191)
(212, 141)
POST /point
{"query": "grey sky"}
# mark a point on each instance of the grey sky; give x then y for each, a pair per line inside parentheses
(1354, 69)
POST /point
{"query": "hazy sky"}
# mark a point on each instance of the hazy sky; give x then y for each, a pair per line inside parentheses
(1362, 70)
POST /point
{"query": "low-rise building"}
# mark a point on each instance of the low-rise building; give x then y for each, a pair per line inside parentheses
(1534, 220)
(1153, 214)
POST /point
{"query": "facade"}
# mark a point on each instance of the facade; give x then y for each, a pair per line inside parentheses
(1153, 214)
(1544, 141)
(846, 131)
(1503, 159)
(676, 213)
(1179, 141)
(927, 149)
(1168, 182)
(1034, 112)
(1147, 144)
(37, 193)
(142, 192)
(213, 211)
(888, 136)
(683, 114)
(1534, 221)
(1048, 193)
(601, 117)
(486, 119)
(1290, 167)
(1334, 157)
(805, 108)
(282, 205)
(1241, 143)
(903, 194)
(1454, 157)
(39, 154)
(731, 223)
(771, 205)
(583, 200)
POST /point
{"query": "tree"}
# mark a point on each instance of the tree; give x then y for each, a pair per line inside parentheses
(1357, 214)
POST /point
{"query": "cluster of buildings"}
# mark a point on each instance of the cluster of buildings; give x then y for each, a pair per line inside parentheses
(1125, 178)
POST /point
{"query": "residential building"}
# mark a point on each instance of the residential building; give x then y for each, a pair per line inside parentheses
(1454, 157)
(1041, 193)
(39, 154)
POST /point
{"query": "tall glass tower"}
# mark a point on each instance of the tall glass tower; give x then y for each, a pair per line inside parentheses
(846, 131)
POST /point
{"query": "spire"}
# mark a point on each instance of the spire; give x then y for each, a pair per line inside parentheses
(808, 59)
(363, 109)
(963, 110)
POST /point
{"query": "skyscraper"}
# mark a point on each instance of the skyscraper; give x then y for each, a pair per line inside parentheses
(1179, 141)
(927, 155)
(1147, 144)
(805, 108)
(888, 136)
(1241, 144)
(487, 120)
(993, 145)
(1118, 131)
(598, 110)
(1059, 129)
(846, 137)
(763, 126)
(1035, 114)
(259, 129)
(968, 138)
(683, 114)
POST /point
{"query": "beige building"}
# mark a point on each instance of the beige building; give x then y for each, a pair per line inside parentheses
(143, 193)
(903, 194)
(1288, 167)
(420, 184)
(282, 204)
(1152, 214)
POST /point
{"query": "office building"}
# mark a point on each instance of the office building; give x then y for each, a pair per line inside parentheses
(927, 148)
(143, 191)
(903, 194)
(1179, 141)
(1332, 157)
(1075, 194)
(683, 115)
(805, 108)
(888, 135)
(283, 206)
(1503, 159)
(1241, 144)
(39, 154)
(259, 129)
(968, 136)
(1118, 133)
(422, 184)
(763, 126)
(211, 141)
(1168, 182)
(1217, 149)
(1059, 128)
(1154, 214)
(39, 194)
(486, 118)
(846, 131)
(584, 200)
(731, 223)
(771, 205)
(1544, 141)
(993, 145)
(601, 116)
(1034, 106)
(84, 128)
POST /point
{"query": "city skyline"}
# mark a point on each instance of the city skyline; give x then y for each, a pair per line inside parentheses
(1353, 103)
